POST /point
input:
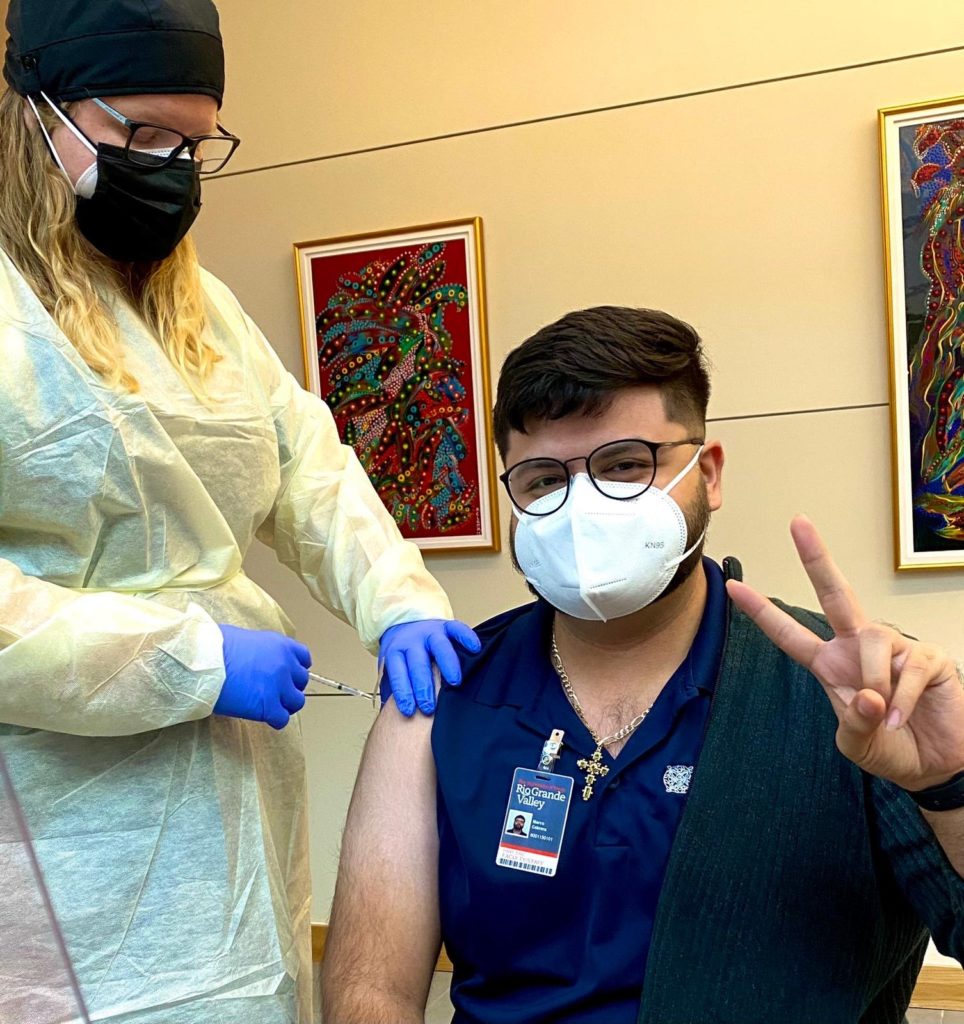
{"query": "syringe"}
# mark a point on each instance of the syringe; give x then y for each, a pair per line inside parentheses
(333, 684)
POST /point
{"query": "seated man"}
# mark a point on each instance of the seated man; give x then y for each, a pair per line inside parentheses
(730, 811)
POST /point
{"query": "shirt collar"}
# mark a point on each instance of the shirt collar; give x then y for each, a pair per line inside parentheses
(706, 653)
(515, 671)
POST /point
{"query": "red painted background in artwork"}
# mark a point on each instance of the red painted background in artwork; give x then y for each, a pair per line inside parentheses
(394, 361)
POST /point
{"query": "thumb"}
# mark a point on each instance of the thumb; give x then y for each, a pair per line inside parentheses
(464, 635)
(859, 723)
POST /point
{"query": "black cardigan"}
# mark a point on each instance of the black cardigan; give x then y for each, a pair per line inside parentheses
(799, 890)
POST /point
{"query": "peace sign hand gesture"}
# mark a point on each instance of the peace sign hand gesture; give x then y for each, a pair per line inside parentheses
(899, 703)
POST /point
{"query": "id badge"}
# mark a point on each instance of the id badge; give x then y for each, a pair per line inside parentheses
(535, 822)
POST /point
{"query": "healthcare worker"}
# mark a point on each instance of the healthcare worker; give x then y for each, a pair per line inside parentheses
(147, 434)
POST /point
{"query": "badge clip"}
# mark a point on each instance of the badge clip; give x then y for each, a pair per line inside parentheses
(551, 750)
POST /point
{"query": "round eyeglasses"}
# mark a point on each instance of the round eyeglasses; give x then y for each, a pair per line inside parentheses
(610, 467)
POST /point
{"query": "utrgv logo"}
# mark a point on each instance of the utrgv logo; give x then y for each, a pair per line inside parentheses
(677, 778)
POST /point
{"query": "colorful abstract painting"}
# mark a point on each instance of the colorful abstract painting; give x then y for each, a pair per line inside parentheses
(923, 170)
(395, 344)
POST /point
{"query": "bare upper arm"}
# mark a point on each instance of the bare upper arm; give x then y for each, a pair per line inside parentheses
(384, 935)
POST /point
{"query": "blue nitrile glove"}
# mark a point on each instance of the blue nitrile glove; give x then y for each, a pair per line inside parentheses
(407, 652)
(265, 674)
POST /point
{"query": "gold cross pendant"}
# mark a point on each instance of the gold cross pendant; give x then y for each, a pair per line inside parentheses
(594, 769)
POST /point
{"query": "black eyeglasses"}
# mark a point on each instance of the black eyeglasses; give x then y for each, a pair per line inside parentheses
(618, 469)
(153, 145)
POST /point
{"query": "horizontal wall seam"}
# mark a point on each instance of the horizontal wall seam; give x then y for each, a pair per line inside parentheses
(590, 111)
(796, 412)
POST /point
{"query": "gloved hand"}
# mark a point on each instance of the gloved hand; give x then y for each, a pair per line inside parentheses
(407, 650)
(265, 676)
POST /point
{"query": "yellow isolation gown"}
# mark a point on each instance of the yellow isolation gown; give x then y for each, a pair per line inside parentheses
(174, 843)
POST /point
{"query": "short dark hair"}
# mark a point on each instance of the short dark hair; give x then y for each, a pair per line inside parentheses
(578, 363)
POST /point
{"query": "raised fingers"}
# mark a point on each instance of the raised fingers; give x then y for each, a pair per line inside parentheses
(789, 635)
(837, 599)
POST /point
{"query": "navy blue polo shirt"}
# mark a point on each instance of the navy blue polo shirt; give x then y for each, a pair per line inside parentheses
(572, 947)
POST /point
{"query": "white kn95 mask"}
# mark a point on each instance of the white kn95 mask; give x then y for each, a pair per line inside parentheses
(601, 558)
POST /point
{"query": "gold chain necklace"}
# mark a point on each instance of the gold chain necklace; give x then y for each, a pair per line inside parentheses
(592, 766)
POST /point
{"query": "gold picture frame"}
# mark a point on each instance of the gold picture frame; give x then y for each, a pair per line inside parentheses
(922, 190)
(395, 340)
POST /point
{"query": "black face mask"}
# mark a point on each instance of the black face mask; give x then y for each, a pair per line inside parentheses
(139, 213)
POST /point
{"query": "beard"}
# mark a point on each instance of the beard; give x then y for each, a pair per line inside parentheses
(697, 517)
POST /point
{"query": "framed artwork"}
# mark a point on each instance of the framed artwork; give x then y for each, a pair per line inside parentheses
(394, 333)
(922, 172)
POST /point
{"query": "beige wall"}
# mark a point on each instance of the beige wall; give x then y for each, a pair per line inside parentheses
(751, 212)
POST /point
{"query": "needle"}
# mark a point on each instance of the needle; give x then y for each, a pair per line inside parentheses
(335, 685)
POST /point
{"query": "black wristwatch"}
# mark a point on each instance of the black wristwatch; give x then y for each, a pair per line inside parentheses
(948, 796)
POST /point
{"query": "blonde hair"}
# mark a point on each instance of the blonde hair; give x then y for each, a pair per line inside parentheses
(38, 231)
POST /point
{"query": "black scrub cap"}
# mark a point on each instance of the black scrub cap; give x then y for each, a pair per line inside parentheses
(73, 49)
